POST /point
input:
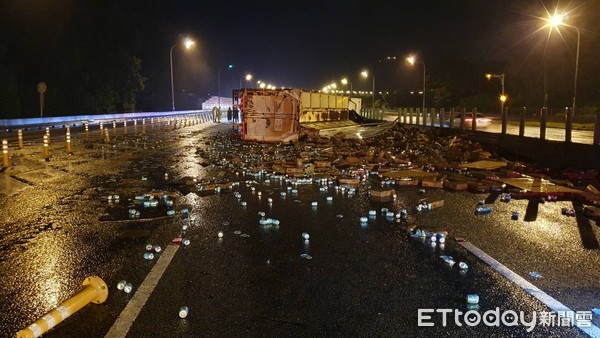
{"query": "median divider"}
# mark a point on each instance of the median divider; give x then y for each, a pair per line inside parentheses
(94, 291)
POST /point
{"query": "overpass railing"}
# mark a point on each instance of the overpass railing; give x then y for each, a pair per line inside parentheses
(517, 123)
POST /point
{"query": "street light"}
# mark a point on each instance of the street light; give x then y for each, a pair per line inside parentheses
(555, 21)
(503, 96)
(365, 74)
(412, 59)
(248, 78)
(345, 82)
(187, 43)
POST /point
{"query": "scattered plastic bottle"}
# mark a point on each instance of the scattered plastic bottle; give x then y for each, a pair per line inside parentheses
(185, 242)
(421, 191)
(149, 247)
(169, 203)
(305, 235)
(515, 216)
(183, 311)
(148, 256)
(472, 299)
(244, 203)
(127, 287)
(372, 212)
(270, 200)
(389, 215)
(220, 234)
(449, 260)
(330, 199)
(157, 248)
(185, 212)
(121, 284)
(433, 238)
(363, 219)
(384, 211)
(463, 266)
(171, 212)
(314, 204)
(483, 210)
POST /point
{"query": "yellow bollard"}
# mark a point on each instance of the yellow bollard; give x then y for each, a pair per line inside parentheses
(106, 136)
(69, 150)
(144, 126)
(115, 127)
(46, 149)
(48, 133)
(152, 123)
(20, 137)
(124, 127)
(94, 291)
(87, 130)
(5, 158)
(101, 128)
(135, 126)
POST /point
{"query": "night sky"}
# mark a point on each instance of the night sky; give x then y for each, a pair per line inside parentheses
(304, 44)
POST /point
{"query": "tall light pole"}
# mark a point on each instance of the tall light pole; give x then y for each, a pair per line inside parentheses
(365, 74)
(187, 43)
(412, 59)
(502, 95)
(554, 22)
(230, 66)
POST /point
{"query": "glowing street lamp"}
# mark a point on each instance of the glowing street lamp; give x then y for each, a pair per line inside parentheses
(248, 78)
(503, 96)
(365, 74)
(187, 43)
(554, 22)
(412, 59)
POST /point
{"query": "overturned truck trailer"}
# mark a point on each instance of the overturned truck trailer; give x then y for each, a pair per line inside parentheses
(274, 115)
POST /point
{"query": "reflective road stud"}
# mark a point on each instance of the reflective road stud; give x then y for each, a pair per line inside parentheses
(94, 291)
(20, 137)
(46, 150)
(5, 159)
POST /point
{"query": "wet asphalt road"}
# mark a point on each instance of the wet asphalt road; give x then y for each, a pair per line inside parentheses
(361, 281)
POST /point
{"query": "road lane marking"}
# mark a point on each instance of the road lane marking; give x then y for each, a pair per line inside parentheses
(135, 305)
(549, 301)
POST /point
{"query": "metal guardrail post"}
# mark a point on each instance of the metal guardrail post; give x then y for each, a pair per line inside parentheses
(451, 118)
(504, 120)
(543, 113)
(94, 291)
(411, 113)
(597, 129)
(463, 112)
(522, 122)
(474, 119)
(568, 124)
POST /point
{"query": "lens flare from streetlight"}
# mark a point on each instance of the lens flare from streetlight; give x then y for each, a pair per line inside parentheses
(488, 76)
(188, 43)
(503, 98)
(344, 81)
(411, 59)
(333, 85)
(248, 77)
(262, 85)
(364, 74)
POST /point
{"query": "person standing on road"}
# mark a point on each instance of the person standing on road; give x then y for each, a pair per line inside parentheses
(218, 115)
(236, 114)
(229, 114)
(214, 114)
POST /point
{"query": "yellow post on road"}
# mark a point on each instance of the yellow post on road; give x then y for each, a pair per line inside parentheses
(69, 150)
(46, 148)
(20, 137)
(5, 158)
(94, 291)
